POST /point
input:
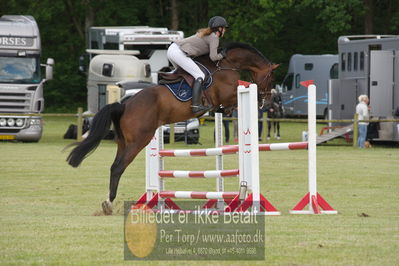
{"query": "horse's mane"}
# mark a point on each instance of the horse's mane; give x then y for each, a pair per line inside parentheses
(234, 45)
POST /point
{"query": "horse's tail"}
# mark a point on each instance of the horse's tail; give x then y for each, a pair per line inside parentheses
(98, 130)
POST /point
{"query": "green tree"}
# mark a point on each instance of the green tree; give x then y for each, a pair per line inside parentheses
(277, 28)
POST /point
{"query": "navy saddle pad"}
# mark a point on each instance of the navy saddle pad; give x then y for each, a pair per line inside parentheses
(183, 92)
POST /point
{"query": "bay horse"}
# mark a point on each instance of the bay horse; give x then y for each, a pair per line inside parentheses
(274, 112)
(136, 120)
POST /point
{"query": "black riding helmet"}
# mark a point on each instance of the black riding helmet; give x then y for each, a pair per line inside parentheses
(217, 21)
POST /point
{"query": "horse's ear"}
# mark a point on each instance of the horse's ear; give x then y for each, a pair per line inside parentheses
(274, 66)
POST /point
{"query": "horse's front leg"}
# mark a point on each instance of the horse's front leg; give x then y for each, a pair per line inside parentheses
(269, 126)
(278, 130)
(275, 129)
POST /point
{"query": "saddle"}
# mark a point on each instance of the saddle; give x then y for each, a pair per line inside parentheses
(180, 74)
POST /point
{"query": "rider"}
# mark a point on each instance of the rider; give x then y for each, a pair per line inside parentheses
(205, 41)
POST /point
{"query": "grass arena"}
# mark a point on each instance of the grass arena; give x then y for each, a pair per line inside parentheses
(50, 211)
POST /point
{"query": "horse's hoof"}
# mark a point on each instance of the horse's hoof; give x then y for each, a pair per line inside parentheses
(278, 137)
(107, 207)
(268, 138)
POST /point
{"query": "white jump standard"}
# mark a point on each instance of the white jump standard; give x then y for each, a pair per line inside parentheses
(248, 172)
(312, 198)
(249, 197)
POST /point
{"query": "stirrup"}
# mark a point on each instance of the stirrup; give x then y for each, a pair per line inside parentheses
(199, 108)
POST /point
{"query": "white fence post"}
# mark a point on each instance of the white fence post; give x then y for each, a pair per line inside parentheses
(154, 164)
(219, 158)
(313, 199)
(248, 140)
(312, 171)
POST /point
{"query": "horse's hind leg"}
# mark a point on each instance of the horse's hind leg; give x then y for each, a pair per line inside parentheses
(122, 160)
(118, 167)
(116, 172)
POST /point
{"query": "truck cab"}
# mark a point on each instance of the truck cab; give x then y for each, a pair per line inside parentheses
(21, 84)
(319, 68)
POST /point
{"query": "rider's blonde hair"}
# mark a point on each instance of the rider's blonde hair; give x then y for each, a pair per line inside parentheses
(204, 32)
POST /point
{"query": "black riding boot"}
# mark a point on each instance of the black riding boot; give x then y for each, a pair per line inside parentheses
(196, 105)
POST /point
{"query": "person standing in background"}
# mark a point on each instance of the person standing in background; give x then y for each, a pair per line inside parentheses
(362, 109)
(235, 124)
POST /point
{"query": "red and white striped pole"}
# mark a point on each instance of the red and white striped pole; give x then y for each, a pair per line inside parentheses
(219, 174)
(232, 149)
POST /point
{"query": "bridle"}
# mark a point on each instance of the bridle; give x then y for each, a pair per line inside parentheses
(266, 76)
(220, 68)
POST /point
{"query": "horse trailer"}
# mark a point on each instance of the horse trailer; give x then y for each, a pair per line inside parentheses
(126, 59)
(319, 68)
(124, 53)
(151, 43)
(107, 68)
(21, 83)
(368, 64)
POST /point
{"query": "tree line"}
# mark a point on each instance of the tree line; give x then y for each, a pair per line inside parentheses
(278, 28)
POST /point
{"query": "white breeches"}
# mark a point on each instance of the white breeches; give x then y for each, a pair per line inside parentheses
(178, 58)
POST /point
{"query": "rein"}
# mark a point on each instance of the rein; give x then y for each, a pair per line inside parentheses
(220, 68)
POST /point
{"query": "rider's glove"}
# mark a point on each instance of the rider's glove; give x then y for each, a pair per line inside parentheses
(223, 52)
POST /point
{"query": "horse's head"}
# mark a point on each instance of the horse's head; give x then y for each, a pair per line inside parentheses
(264, 77)
(245, 57)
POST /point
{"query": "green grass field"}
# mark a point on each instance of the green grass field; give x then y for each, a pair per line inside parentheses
(46, 209)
